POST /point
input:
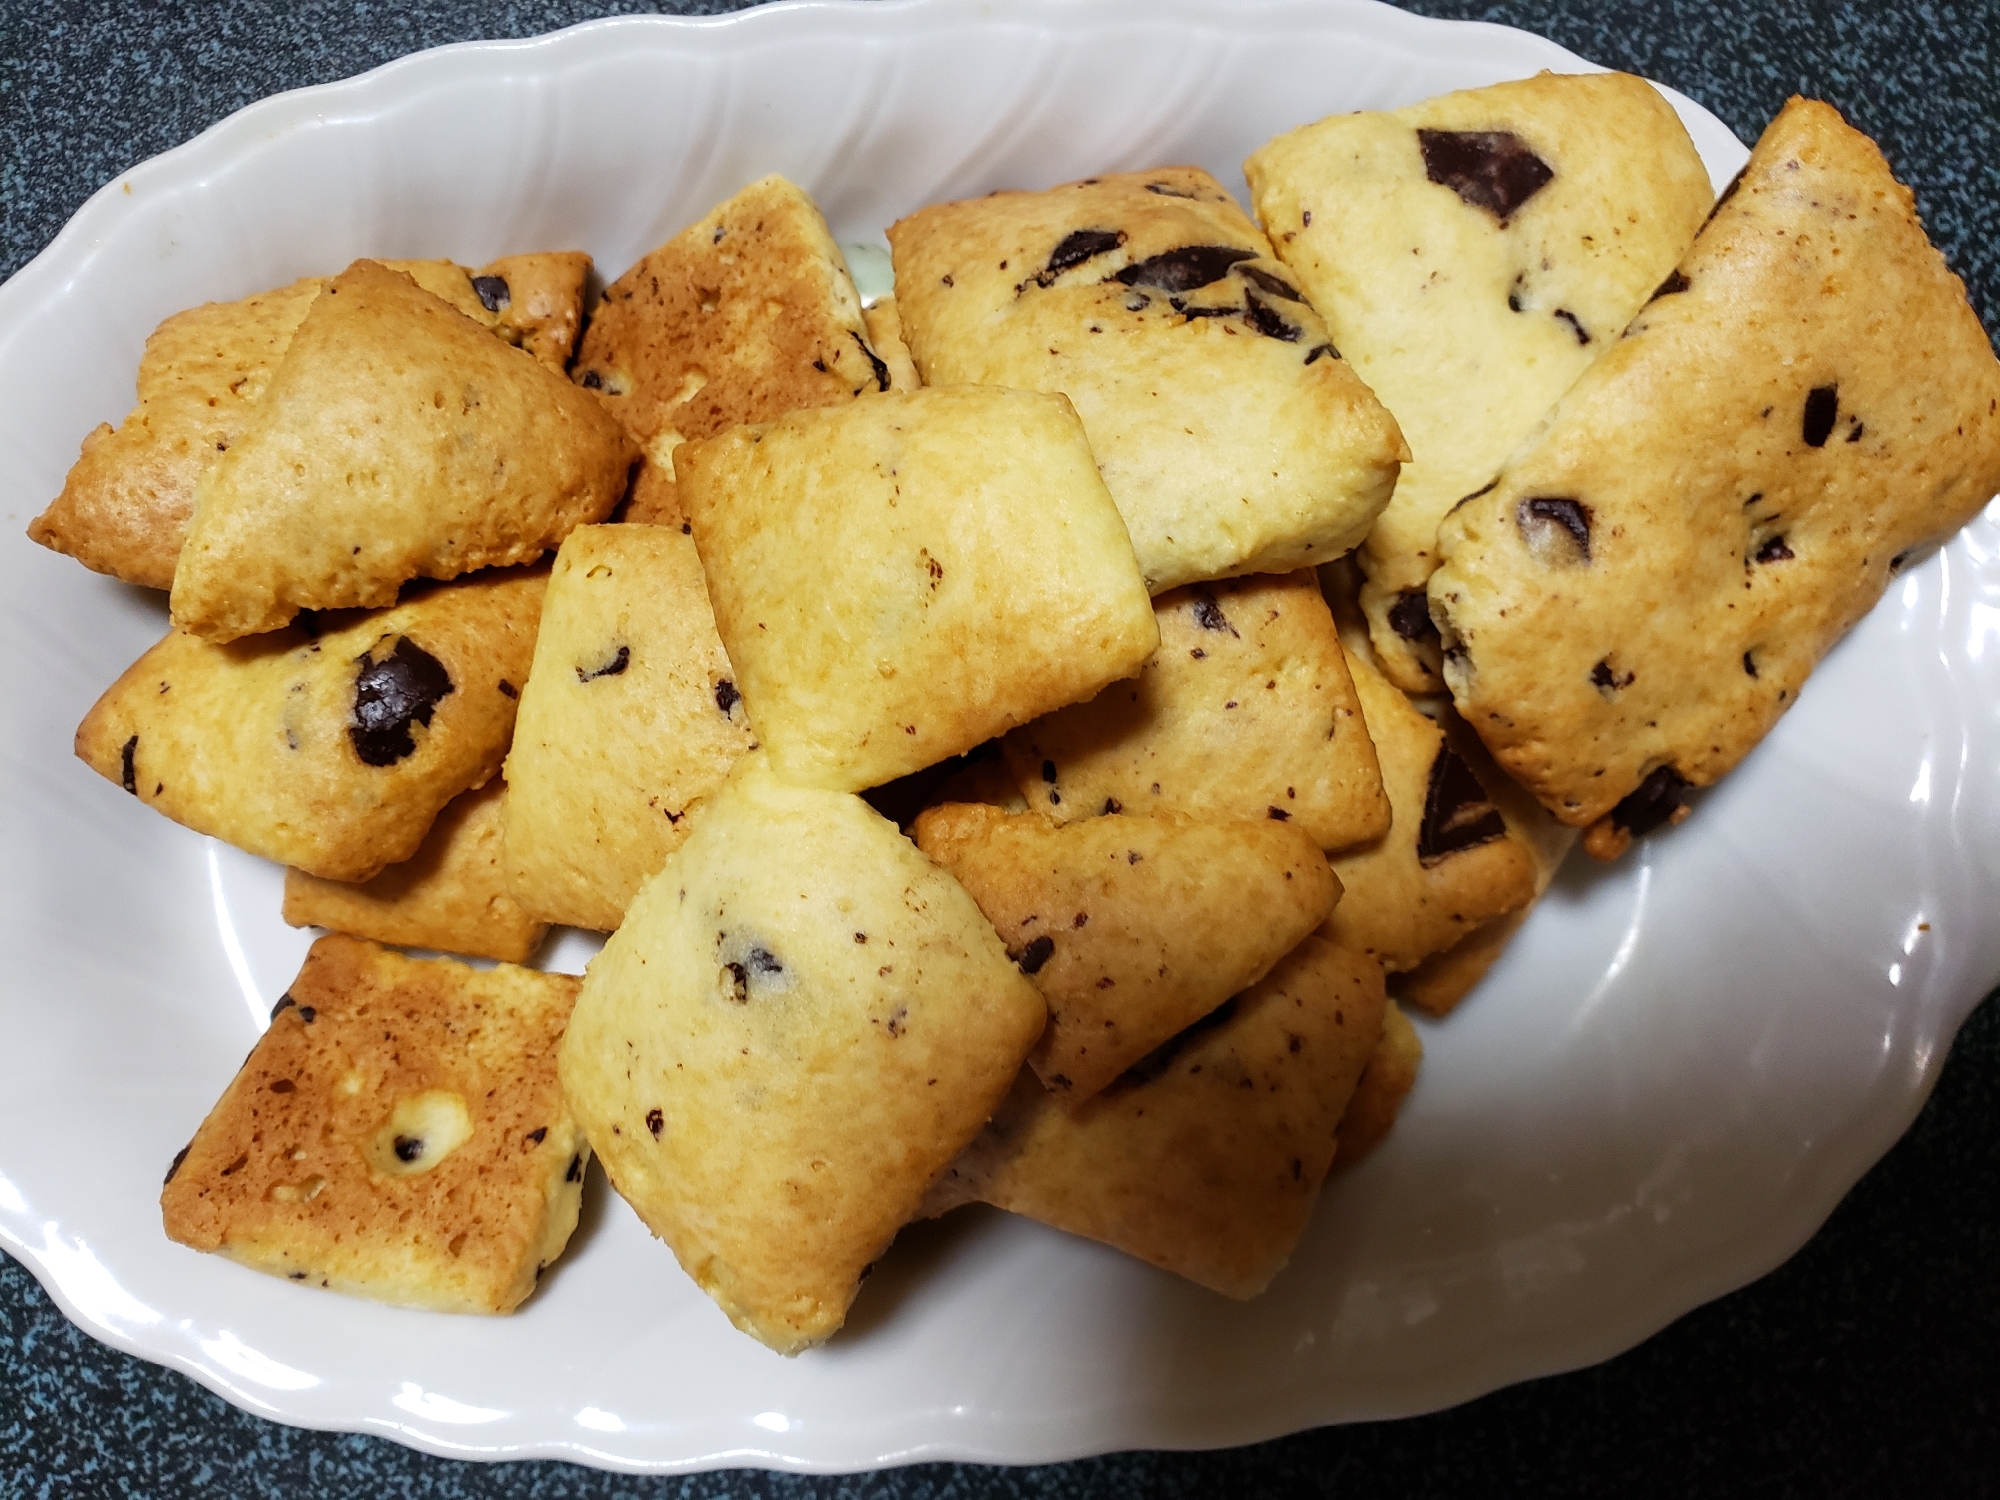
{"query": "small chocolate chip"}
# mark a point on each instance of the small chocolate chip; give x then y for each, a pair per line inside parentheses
(655, 1122)
(592, 381)
(1184, 269)
(1489, 169)
(1457, 813)
(1673, 286)
(881, 370)
(1278, 815)
(575, 1172)
(285, 1002)
(307, 1014)
(1029, 959)
(1264, 281)
(1607, 680)
(1209, 616)
(1113, 805)
(1540, 517)
(409, 1147)
(175, 1165)
(739, 989)
(764, 961)
(125, 757)
(1822, 406)
(1410, 616)
(1657, 799)
(1854, 432)
(390, 696)
(283, 1086)
(1322, 351)
(1049, 771)
(1076, 247)
(508, 690)
(1901, 561)
(1750, 662)
(493, 293)
(1575, 324)
(612, 668)
(535, 1137)
(726, 696)
(1774, 549)
(1165, 190)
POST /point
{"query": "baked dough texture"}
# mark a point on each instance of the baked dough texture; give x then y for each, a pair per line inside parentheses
(799, 1025)
(745, 315)
(1132, 927)
(630, 715)
(1650, 581)
(451, 895)
(1245, 711)
(398, 1133)
(125, 505)
(1385, 1084)
(397, 440)
(900, 578)
(329, 746)
(1204, 1160)
(1472, 255)
(1231, 434)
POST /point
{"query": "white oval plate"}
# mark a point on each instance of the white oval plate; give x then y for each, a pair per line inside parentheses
(1661, 1091)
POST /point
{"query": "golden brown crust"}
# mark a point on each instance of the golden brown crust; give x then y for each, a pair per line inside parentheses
(1385, 1084)
(398, 1133)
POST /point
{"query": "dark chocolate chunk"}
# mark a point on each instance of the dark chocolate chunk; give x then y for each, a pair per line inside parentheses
(1410, 616)
(1184, 269)
(739, 986)
(1209, 616)
(175, 1165)
(1156, 1062)
(130, 777)
(1457, 812)
(1489, 169)
(1542, 514)
(1264, 281)
(1822, 406)
(611, 668)
(1264, 318)
(1609, 681)
(409, 1147)
(726, 696)
(1658, 798)
(590, 380)
(1575, 324)
(1078, 246)
(881, 370)
(1773, 549)
(1322, 351)
(655, 1122)
(1029, 959)
(1673, 286)
(535, 1137)
(307, 1014)
(508, 690)
(575, 1172)
(493, 293)
(390, 695)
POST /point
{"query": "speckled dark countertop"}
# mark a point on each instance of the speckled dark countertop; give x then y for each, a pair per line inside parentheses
(1870, 1364)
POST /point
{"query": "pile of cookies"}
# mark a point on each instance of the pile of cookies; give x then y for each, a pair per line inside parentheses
(1020, 734)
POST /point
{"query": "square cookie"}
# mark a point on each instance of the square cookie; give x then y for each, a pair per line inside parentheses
(900, 578)
(1647, 585)
(630, 715)
(1471, 255)
(1231, 433)
(398, 1133)
(332, 744)
(801, 1022)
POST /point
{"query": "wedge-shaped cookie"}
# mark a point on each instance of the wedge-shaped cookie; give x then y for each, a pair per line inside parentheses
(1472, 255)
(900, 578)
(1646, 587)
(328, 747)
(397, 440)
(451, 895)
(1231, 433)
(125, 505)
(741, 317)
(885, 332)
(1385, 1083)
(1133, 928)
(800, 1024)
(631, 713)
(398, 1133)
(1205, 1159)
(1245, 711)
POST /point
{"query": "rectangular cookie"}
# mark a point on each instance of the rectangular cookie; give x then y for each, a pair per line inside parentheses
(1231, 434)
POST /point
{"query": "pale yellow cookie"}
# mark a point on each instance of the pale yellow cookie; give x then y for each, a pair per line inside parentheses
(801, 1022)
(397, 440)
(398, 1133)
(630, 714)
(1204, 1160)
(903, 577)
(1385, 1083)
(1245, 711)
(1471, 255)
(885, 332)
(1648, 584)
(332, 744)
(1232, 435)
(451, 895)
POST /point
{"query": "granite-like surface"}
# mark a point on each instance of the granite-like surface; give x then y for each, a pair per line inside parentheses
(1867, 1365)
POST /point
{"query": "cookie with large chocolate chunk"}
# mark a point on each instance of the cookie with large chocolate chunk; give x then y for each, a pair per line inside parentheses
(1204, 1159)
(1245, 711)
(1132, 927)
(332, 744)
(1231, 433)
(398, 1133)
(397, 439)
(1648, 584)
(799, 1025)
(450, 895)
(1471, 255)
(125, 505)
(746, 314)
(630, 714)
(899, 579)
